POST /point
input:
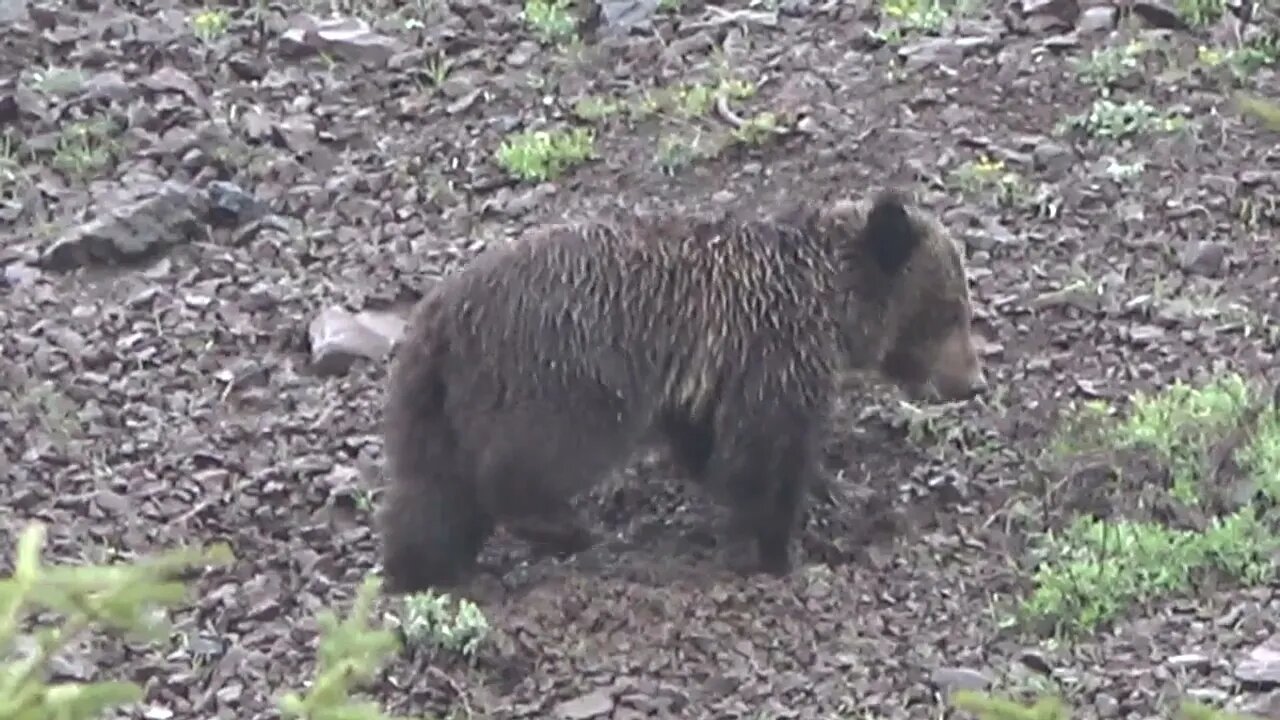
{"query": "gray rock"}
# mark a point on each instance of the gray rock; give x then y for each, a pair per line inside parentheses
(991, 235)
(592, 705)
(1049, 155)
(1097, 19)
(1146, 334)
(231, 206)
(951, 679)
(1254, 178)
(941, 50)
(794, 8)
(1267, 706)
(1205, 258)
(339, 338)
(108, 85)
(1106, 705)
(17, 274)
(163, 216)
(349, 38)
(935, 51)
(621, 16)
(1261, 667)
(1209, 696)
(1188, 661)
(13, 11)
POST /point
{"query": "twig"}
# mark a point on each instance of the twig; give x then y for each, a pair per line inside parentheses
(716, 16)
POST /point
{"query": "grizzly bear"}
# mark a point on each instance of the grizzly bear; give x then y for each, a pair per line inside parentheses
(541, 366)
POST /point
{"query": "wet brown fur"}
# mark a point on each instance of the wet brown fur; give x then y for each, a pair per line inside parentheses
(543, 365)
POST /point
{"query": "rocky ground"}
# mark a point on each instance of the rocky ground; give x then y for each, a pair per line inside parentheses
(214, 217)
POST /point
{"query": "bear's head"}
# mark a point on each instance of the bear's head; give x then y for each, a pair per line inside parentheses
(906, 291)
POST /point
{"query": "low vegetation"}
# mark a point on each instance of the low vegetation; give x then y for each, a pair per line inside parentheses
(902, 18)
(1111, 120)
(209, 25)
(120, 598)
(1192, 484)
(551, 21)
(1107, 66)
(130, 599)
(986, 707)
(538, 155)
(436, 621)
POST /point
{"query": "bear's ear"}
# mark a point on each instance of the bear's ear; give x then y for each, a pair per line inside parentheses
(889, 235)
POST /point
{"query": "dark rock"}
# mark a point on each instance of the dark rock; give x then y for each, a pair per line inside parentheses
(164, 216)
(951, 679)
(1159, 14)
(1061, 14)
(231, 206)
(1205, 258)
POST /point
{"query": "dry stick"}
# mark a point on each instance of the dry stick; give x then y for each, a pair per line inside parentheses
(716, 16)
(734, 120)
(196, 510)
(722, 108)
(453, 688)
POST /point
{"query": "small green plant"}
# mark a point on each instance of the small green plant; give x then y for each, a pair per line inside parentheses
(650, 103)
(351, 652)
(990, 176)
(85, 147)
(1106, 66)
(735, 89)
(1181, 424)
(120, 598)
(925, 16)
(987, 707)
(756, 129)
(1200, 13)
(1265, 111)
(689, 100)
(12, 177)
(1109, 119)
(539, 155)
(1243, 61)
(429, 619)
(209, 25)
(676, 152)
(551, 20)
(438, 69)
(695, 100)
(595, 108)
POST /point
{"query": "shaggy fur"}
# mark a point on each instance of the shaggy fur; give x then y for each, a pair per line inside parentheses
(539, 368)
